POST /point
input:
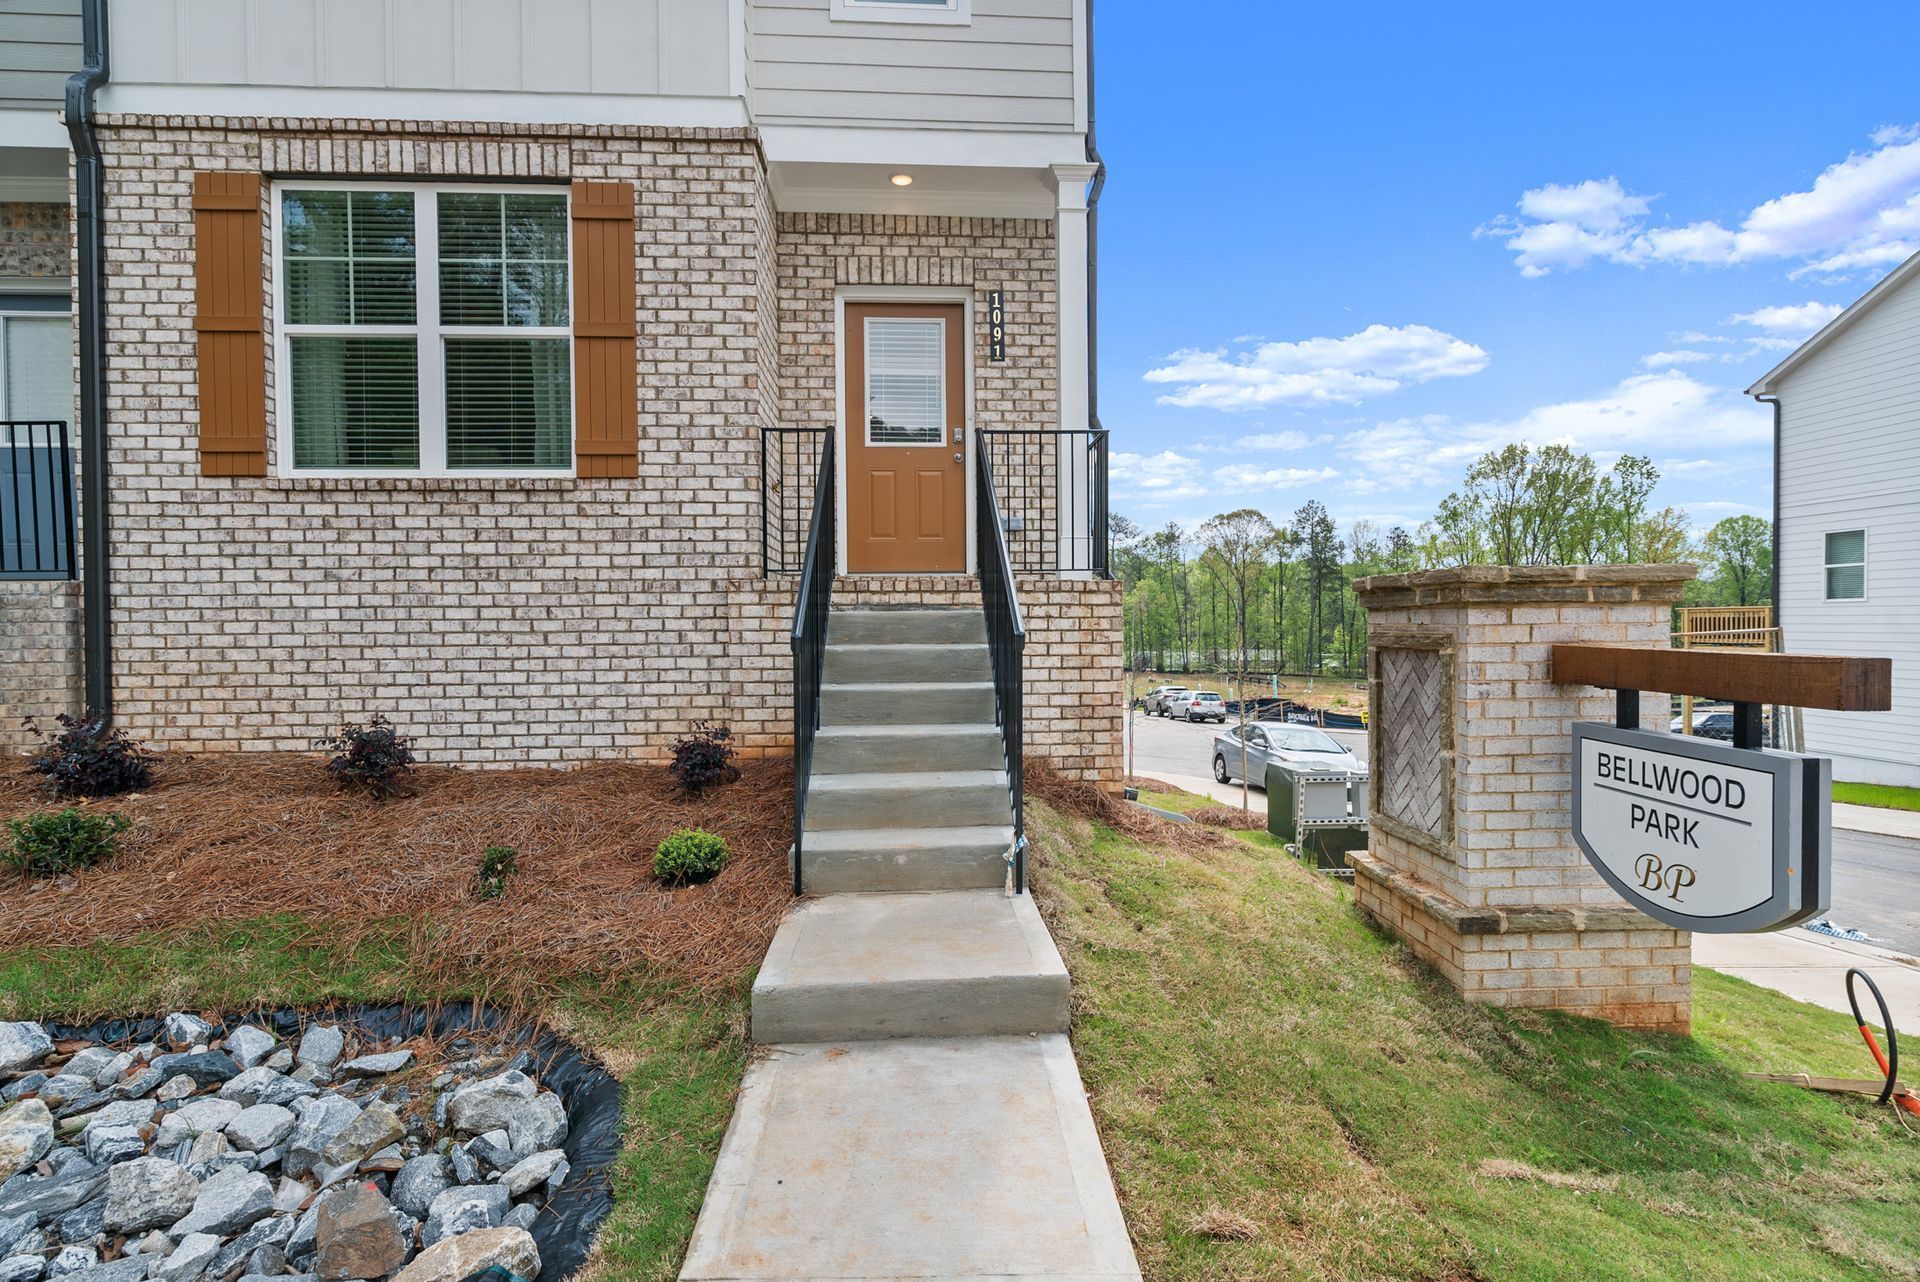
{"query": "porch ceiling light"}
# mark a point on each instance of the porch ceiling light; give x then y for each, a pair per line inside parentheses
(902, 180)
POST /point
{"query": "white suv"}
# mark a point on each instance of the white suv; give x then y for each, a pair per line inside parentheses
(1198, 705)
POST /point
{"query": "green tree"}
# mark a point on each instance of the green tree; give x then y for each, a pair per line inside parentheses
(1739, 555)
(1237, 548)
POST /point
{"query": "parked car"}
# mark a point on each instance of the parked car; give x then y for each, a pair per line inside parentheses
(1156, 701)
(1300, 746)
(1714, 724)
(1197, 705)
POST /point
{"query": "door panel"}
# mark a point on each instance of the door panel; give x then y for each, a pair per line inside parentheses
(906, 397)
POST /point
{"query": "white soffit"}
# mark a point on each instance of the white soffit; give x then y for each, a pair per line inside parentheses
(814, 188)
(38, 127)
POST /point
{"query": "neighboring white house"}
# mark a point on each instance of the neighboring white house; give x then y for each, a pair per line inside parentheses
(1847, 515)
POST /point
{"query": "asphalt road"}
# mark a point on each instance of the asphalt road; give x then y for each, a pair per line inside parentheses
(1876, 879)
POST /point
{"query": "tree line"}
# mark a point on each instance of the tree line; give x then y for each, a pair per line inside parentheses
(1243, 593)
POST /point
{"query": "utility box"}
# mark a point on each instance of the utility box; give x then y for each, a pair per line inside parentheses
(1322, 814)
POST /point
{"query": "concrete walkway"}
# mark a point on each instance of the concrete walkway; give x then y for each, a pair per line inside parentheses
(1877, 819)
(1813, 968)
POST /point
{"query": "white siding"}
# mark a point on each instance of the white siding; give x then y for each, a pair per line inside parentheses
(39, 49)
(1850, 460)
(1011, 67)
(625, 47)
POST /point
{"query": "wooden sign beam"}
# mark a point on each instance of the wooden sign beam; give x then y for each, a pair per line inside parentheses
(1839, 682)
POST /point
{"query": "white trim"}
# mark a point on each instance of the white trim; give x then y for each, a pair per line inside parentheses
(1076, 413)
(858, 200)
(868, 145)
(36, 285)
(737, 48)
(949, 13)
(844, 294)
(426, 327)
(33, 127)
(261, 101)
(1826, 566)
(1082, 65)
(946, 393)
(1837, 326)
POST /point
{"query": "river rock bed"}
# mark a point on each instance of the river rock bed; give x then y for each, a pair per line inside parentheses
(333, 1155)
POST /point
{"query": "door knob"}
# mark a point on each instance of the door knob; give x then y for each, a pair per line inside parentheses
(957, 458)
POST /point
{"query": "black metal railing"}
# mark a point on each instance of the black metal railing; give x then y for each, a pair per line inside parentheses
(790, 459)
(809, 641)
(1007, 643)
(1053, 497)
(36, 501)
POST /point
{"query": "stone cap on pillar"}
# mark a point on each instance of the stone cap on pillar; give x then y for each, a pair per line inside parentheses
(1508, 584)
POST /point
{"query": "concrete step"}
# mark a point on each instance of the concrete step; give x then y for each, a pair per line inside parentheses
(932, 1159)
(952, 963)
(905, 859)
(919, 799)
(907, 627)
(847, 749)
(967, 661)
(905, 703)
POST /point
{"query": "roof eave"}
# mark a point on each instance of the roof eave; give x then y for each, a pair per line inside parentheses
(1770, 383)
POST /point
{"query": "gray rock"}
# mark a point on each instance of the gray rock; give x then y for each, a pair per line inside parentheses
(26, 1135)
(179, 1086)
(321, 1045)
(233, 1200)
(521, 1216)
(419, 1182)
(72, 1259)
(466, 1168)
(207, 1114)
(249, 1045)
(260, 1127)
(56, 1194)
(206, 1068)
(90, 1061)
(12, 1229)
(234, 1256)
(121, 1113)
(28, 1085)
(208, 1147)
(63, 1089)
(109, 1144)
(376, 1127)
(61, 1157)
(84, 1224)
(261, 1085)
(490, 1103)
(189, 1259)
(146, 1193)
(492, 1152)
(131, 1268)
(110, 1072)
(375, 1066)
(387, 1161)
(539, 1125)
(356, 1237)
(172, 1133)
(183, 1029)
(23, 1045)
(530, 1173)
(154, 1243)
(470, 1253)
(266, 1262)
(280, 1061)
(22, 1268)
(462, 1210)
(134, 1085)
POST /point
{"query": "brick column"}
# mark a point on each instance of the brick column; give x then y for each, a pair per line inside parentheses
(1471, 858)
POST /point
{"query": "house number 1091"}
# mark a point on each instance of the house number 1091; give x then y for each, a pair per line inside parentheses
(996, 326)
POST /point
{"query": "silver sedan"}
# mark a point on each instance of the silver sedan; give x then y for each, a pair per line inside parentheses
(1302, 747)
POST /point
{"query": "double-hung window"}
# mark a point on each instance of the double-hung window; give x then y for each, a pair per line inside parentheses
(1847, 565)
(424, 330)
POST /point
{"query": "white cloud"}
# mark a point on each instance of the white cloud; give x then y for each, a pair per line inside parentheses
(1316, 371)
(1246, 476)
(1153, 480)
(1667, 360)
(1644, 412)
(1788, 320)
(1860, 212)
(1275, 441)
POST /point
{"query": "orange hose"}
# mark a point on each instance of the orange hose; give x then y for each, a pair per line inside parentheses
(1903, 1098)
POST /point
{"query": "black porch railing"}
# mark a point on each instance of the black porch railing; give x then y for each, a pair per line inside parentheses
(36, 501)
(790, 471)
(809, 642)
(1007, 643)
(1052, 487)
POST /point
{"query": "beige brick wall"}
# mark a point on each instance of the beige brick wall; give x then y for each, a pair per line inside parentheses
(40, 641)
(530, 620)
(1505, 903)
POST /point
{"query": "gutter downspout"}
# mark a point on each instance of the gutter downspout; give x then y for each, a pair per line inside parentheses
(1773, 571)
(1093, 254)
(90, 310)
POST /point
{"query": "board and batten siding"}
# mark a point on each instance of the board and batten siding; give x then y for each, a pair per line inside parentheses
(39, 49)
(635, 47)
(1850, 460)
(1011, 67)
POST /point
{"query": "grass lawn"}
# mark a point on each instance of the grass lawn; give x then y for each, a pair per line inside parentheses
(1285, 1093)
(1886, 796)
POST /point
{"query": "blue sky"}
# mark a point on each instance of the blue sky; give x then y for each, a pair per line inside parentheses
(1347, 248)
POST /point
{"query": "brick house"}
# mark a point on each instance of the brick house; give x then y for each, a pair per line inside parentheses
(475, 361)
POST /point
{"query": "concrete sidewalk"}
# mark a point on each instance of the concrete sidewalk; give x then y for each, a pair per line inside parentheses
(1877, 819)
(1813, 968)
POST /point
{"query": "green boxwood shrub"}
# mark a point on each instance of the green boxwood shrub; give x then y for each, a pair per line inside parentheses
(688, 856)
(51, 845)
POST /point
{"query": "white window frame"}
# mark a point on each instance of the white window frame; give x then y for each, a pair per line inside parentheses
(939, 325)
(950, 13)
(1827, 567)
(426, 330)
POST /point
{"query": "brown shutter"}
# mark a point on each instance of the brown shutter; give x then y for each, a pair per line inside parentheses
(229, 290)
(606, 437)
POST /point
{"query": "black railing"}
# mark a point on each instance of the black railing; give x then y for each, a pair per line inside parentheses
(1007, 643)
(809, 641)
(790, 459)
(36, 501)
(1053, 498)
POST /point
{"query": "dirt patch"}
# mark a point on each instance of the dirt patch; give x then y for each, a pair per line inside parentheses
(229, 838)
(1500, 1168)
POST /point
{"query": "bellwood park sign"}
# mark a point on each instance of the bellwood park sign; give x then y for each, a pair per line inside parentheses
(1707, 836)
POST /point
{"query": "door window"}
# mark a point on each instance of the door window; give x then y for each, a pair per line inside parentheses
(906, 380)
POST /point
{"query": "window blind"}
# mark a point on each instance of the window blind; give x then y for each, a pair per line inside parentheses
(503, 259)
(508, 403)
(39, 358)
(1846, 565)
(906, 371)
(356, 402)
(350, 258)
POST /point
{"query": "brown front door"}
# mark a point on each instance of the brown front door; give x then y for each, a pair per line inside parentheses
(906, 399)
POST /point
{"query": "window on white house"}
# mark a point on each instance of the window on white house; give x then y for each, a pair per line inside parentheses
(938, 11)
(426, 330)
(1847, 565)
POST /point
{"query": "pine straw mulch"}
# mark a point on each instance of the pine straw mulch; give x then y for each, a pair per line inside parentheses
(1135, 821)
(236, 838)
